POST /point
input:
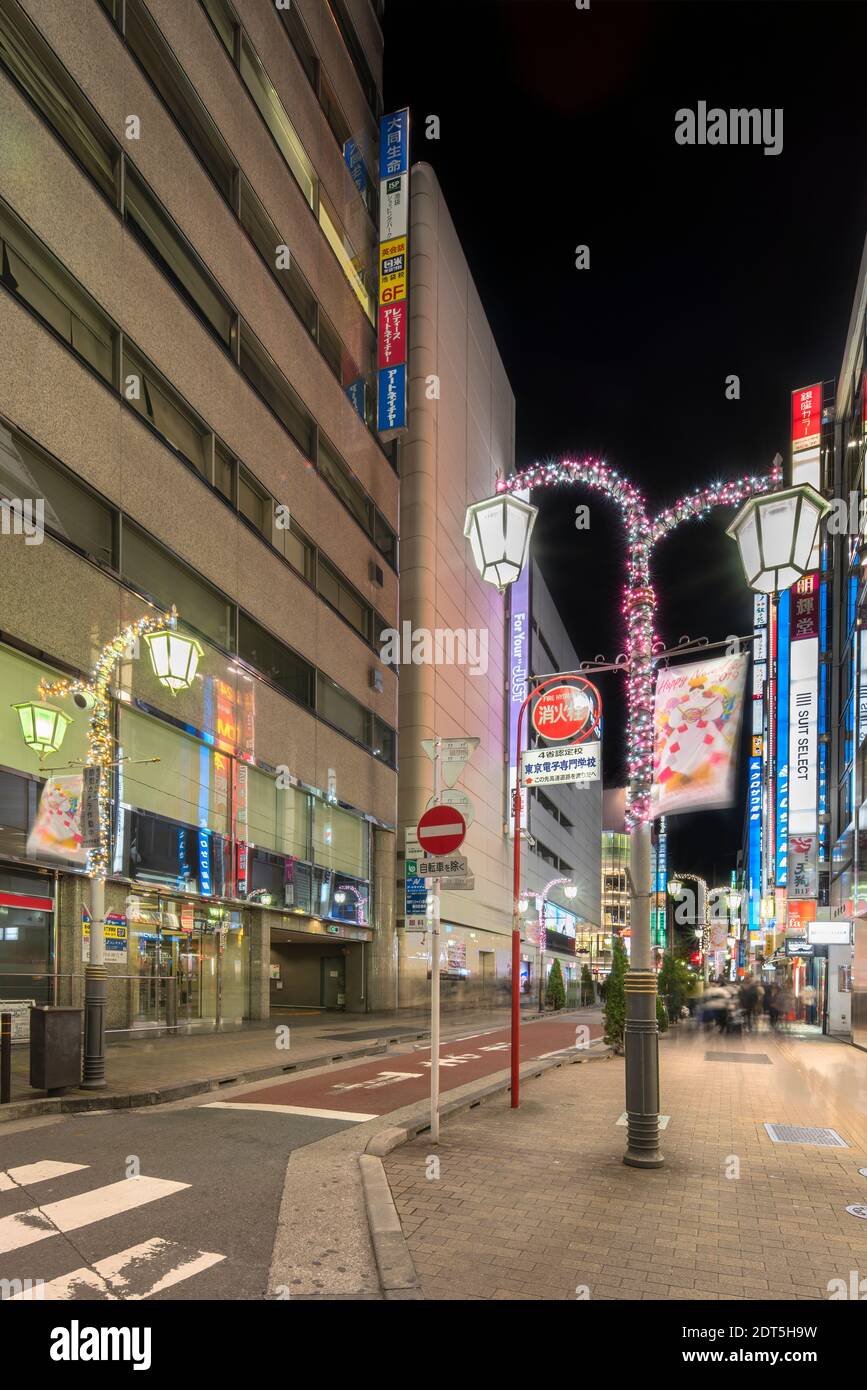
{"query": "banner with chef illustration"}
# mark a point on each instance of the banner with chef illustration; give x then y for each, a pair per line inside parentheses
(56, 832)
(696, 727)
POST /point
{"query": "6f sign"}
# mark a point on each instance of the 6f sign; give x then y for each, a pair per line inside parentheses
(567, 713)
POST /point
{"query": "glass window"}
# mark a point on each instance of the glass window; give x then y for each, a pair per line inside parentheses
(169, 248)
(273, 817)
(224, 472)
(265, 378)
(384, 742)
(277, 662)
(273, 113)
(37, 70)
(19, 681)
(342, 597)
(31, 272)
(300, 41)
(154, 572)
(71, 511)
(340, 840)
(347, 487)
(223, 19)
(179, 783)
(163, 69)
(340, 708)
(331, 348)
(253, 502)
(154, 398)
(293, 544)
(385, 540)
(350, 262)
(266, 239)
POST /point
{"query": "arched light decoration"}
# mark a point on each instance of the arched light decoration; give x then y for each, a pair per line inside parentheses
(570, 890)
(499, 533)
(43, 726)
(175, 658)
(776, 535)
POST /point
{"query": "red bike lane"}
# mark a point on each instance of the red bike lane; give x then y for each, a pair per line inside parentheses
(378, 1086)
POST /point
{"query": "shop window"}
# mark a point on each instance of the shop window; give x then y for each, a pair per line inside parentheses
(40, 74)
(152, 396)
(71, 511)
(170, 774)
(277, 662)
(154, 572)
(19, 681)
(35, 276)
(342, 710)
(340, 840)
(266, 379)
(173, 254)
(164, 71)
(278, 818)
(175, 856)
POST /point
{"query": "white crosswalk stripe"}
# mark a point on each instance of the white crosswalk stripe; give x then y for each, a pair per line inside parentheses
(30, 1173)
(133, 1274)
(110, 1277)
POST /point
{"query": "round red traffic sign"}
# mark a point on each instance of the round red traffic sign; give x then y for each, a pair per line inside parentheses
(567, 712)
(441, 830)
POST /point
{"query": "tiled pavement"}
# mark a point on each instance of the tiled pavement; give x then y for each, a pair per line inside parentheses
(537, 1204)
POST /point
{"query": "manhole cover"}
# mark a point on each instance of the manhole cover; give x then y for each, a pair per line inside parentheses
(858, 1211)
(803, 1134)
(738, 1057)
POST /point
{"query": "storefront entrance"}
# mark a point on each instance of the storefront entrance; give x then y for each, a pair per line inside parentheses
(187, 966)
(26, 929)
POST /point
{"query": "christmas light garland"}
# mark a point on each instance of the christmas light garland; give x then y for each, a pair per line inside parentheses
(100, 742)
(639, 596)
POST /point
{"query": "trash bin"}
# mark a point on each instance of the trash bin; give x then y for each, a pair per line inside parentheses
(55, 1048)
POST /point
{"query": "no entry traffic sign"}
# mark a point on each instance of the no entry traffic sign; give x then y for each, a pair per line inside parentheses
(441, 830)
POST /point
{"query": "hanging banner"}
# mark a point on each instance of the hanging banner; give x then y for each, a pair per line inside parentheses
(56, 832)
(697, 720)
(803, 866)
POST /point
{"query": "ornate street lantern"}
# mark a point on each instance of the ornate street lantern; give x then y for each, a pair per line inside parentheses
(776, 534)
(42, 725)
(570, 890)
(175, 658)
(499, 533)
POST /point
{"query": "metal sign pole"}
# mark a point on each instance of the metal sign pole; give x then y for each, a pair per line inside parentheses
(435, 981)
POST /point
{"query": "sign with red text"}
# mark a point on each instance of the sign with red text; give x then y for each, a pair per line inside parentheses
(806, 417)
(567, 713)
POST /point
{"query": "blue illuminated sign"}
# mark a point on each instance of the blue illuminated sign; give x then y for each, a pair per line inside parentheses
(782, 845)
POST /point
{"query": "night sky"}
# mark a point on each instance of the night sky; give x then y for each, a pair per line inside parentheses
(557, 130)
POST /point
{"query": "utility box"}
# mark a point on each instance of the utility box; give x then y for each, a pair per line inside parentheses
(55, 1048)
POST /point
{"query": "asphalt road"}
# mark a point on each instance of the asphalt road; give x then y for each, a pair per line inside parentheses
(182, 1201)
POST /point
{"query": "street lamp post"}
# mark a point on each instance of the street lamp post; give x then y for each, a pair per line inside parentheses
(174, 659)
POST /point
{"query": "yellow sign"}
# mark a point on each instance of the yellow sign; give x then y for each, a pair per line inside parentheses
(757, 745)
(392, 270)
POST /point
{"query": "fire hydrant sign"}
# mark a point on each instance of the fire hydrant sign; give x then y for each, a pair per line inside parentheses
(566, 712)
(441, 830)
(545, 767)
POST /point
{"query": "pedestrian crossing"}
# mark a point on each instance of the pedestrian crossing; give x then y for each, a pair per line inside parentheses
(135, 1273)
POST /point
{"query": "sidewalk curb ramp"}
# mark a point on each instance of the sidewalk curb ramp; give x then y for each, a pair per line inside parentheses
(397, 1274)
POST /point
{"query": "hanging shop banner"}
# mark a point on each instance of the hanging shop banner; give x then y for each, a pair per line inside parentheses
(804, 601)
(806, 418)
(56, 832)
(393, 318)
(803, 734)
(392, 334)
(803, 866)
(546, 767)
(90, 835)
(697, 720)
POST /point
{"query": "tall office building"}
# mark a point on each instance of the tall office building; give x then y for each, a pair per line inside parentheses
(188, 233)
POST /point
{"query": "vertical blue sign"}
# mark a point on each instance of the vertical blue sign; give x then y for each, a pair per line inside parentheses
(391, 406)
(754, 880)
(394, 143)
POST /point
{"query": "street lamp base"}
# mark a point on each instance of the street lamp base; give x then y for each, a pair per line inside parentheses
(640, 1160)
(95, 989)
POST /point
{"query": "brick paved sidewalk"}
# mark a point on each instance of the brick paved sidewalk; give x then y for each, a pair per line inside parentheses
(534, 1204)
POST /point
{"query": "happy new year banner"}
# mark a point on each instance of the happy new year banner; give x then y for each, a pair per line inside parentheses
(696, 724)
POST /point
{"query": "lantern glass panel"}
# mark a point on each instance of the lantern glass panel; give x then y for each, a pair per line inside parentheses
(778, 525)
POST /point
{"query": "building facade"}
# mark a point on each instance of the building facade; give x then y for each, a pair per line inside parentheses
(188, 299)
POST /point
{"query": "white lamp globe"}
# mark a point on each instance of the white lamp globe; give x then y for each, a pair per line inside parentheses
(776, 535)
(499, 530)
